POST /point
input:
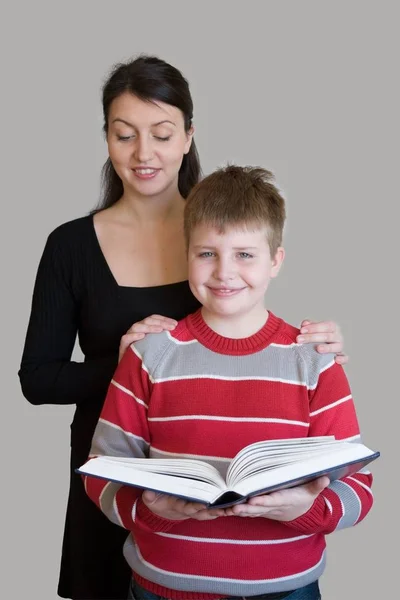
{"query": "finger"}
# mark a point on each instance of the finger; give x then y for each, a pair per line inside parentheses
(163, 319)
(126, 341)
(149, 497)
(129, 338)
(261, 501)
(316, 486)
(245, 510)
(320, 327)
(229, 512)
(304, 323)
(316, 338)
(335, 347)
(203, 515)
(160, 321)
(199, 513)
(341, 359)
(253, 511)
(157, 320)
(142, 327)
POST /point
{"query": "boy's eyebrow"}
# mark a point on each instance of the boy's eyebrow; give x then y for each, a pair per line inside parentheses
(198, 246)
(246, 248)
(152, 125)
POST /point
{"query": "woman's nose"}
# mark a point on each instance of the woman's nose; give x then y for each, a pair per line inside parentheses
(143, 150)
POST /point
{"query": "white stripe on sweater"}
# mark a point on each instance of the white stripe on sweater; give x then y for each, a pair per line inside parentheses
(227, 419)
(233, 541)
(128, 392)
(222, 378)
(332, 405)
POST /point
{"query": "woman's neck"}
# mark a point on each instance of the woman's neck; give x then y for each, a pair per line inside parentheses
(144, 210)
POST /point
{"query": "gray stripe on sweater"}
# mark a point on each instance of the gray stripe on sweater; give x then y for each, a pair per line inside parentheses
(107, 503)
(110, 440)
(165, 359)
(350, 501)
(225, 587)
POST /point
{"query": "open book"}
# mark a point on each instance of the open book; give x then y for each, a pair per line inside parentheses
(259, 468)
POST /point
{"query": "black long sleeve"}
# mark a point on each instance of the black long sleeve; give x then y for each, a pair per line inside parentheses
(75, 293)
(47, 374)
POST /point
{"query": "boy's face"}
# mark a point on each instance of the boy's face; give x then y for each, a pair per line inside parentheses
(229, 272)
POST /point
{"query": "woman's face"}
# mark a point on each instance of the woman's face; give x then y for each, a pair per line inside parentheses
(146, 143)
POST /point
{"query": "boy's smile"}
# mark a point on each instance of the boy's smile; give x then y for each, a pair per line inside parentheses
(229, 274)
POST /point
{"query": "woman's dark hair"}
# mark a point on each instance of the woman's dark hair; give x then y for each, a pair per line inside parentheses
(151, 79)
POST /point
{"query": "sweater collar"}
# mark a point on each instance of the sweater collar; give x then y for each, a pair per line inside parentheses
(223, 345)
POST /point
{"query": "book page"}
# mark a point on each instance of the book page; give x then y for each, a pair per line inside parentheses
(193, 480)
(309, 468)
(273, 454)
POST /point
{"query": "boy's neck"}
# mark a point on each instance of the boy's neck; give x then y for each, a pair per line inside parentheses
(236, 327)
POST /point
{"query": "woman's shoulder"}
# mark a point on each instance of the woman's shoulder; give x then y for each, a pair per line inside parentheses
(71, 241)
(72, 231)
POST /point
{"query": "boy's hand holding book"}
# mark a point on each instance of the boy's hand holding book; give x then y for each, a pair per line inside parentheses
(283, 505)
(177, 509)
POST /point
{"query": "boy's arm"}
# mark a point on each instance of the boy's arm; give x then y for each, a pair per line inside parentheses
(122, 430)
(345, 502)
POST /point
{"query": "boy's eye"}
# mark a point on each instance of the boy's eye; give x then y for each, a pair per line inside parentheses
(206, 254)
(245, 255)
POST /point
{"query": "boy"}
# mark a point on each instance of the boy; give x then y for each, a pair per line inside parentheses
(228, 375)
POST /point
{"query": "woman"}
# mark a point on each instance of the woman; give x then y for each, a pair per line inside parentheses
(103, 272)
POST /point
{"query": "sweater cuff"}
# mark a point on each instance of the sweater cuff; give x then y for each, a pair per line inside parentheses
(313, 520)
(149, 521)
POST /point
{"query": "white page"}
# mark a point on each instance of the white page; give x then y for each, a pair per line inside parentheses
(309, 466)
(169, 485)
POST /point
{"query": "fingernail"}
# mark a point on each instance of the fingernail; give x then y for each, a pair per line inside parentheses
(300, 339)
(304, 330)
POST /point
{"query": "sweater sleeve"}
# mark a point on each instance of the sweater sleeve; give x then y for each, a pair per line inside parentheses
(47, 374)
(345, 502)
(122, 430)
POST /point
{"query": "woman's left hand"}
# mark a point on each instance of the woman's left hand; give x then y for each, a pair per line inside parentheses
(327, 336)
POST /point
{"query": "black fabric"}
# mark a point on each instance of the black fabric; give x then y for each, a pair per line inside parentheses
(76, 294)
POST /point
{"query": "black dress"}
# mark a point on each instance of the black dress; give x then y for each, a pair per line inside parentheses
(76, 293)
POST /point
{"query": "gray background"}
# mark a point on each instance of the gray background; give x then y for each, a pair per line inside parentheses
(307, 89)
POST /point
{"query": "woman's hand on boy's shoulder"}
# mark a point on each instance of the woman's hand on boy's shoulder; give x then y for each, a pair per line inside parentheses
(327, 336)
(151, 324)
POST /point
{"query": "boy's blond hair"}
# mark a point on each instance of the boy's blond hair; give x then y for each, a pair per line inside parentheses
(237, 196)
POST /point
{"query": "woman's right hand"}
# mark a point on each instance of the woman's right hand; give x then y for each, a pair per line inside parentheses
(152, 324)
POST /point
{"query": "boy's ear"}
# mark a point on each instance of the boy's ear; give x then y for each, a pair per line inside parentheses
(277, 261)
(189, 138)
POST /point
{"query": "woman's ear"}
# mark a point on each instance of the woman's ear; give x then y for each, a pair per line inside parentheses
(189, 138)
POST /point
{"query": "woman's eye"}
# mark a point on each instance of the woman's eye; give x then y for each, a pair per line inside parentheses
(125, 138)
(162, 139)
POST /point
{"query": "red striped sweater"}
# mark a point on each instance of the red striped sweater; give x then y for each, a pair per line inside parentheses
(193, 393)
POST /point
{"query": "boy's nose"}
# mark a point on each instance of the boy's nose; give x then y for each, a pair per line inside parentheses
(224, 271)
